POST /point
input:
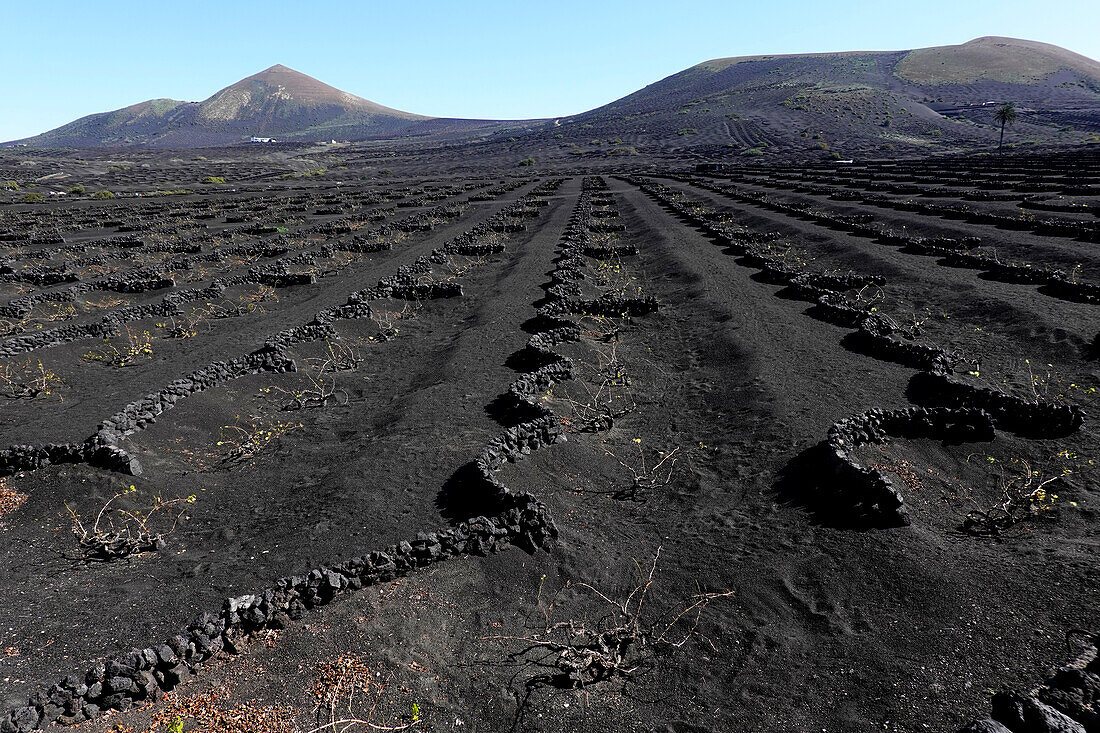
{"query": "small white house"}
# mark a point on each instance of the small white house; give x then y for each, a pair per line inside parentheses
(262, 139)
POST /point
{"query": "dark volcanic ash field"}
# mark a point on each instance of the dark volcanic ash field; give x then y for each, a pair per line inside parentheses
(805, 448)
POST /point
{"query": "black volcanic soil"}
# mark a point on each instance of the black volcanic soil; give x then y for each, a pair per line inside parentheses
(831, 625)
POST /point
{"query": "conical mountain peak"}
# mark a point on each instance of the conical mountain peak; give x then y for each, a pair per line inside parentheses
(281, 93)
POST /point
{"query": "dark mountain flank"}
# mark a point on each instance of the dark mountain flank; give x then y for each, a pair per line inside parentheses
(845, 103)
(827, 105)
(278, 102)
(281, 100)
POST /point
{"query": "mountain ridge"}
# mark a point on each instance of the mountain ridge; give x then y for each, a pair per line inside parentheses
(276, 102)
(274, 83)
(839, 104)
(856, 100)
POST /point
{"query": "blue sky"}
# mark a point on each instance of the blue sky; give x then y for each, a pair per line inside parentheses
(475, 58)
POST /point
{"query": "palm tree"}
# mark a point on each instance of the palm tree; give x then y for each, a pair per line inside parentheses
(1005, 115)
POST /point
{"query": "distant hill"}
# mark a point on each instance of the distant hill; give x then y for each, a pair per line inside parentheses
(278, 102)
(842, 104)
(796, 106)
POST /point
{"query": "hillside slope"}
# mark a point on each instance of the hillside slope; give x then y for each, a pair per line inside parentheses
(855, 102)
(781, 107)
(277, 102)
